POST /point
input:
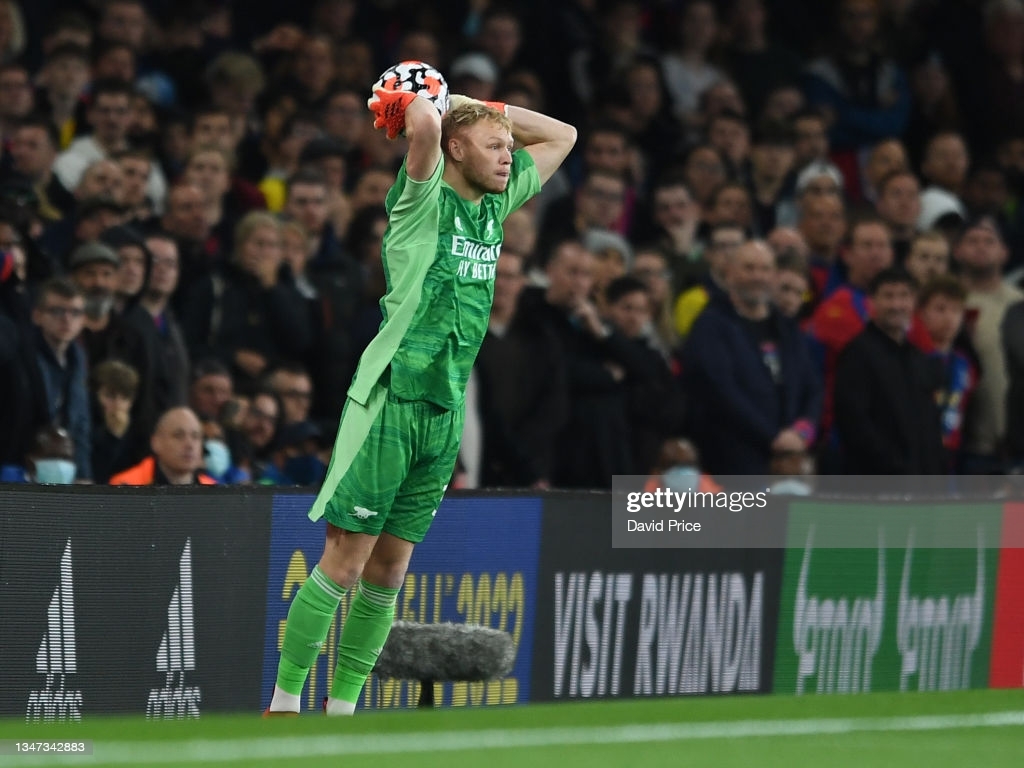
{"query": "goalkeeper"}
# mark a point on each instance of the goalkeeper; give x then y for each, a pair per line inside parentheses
(402, 422)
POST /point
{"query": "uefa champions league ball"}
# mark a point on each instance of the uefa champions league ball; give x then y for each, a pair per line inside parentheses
(416, 77)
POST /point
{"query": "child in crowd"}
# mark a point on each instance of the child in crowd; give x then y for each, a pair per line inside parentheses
(941, 313)
(117, 441)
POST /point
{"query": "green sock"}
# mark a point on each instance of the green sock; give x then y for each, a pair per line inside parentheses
(362, 638)
(309, 620)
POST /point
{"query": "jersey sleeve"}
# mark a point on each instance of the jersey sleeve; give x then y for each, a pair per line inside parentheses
(412, 206)
(523, 183)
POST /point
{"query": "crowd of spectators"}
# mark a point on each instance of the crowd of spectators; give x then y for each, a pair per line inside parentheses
(792, 234)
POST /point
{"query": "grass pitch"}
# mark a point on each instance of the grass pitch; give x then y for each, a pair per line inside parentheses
(933, 730)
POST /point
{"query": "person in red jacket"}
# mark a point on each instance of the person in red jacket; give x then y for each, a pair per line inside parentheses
(177, 446)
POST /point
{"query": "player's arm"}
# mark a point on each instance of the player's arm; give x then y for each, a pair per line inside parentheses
(547, 140)
(423, 130)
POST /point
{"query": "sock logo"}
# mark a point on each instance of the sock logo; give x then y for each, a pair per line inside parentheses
(177, 652)
(56, 657)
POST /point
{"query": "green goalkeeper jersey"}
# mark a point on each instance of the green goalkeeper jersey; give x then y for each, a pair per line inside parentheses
(440, 254)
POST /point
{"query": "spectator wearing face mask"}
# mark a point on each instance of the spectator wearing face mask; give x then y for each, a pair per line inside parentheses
(52, 458)
(678, 469)
(794, 471)
(217, 458)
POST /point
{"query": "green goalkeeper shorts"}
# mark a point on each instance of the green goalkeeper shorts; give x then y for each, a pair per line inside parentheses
(399, 472)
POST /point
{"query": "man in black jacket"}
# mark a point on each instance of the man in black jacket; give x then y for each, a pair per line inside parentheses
(885, 409)
(748, 374)
(654, 404)
(594, 444)
(523, 400)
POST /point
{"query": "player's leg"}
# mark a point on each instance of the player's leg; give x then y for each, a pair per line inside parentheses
(436, 433)
(369, 620)
(313, 609)
(355, 514)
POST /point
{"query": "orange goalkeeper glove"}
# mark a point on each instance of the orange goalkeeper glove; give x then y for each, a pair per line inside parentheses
(388, 109)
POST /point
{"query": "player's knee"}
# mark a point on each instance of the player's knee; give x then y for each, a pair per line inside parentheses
(342, 574)
(386, 572)
(345, 554)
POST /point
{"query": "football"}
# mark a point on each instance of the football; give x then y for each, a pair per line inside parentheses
(416, 77)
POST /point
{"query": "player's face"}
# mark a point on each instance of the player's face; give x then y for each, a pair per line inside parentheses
(487, 158)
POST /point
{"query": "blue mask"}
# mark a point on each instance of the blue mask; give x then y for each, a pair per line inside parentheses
(217, 457)
(681, 478)
(305, 470)
(54, 471)
(792, 486)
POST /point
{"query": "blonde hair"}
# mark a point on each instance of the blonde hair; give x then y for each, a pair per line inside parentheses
(466, 116)
(250, 223)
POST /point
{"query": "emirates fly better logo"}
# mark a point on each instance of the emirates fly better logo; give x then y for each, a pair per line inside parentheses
(177, 652)
(56, 657)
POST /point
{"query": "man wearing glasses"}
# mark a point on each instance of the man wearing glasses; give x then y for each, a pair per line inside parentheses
(59, 316)
(292, 384)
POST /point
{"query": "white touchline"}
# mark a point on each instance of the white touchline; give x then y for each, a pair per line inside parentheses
(271, 747)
